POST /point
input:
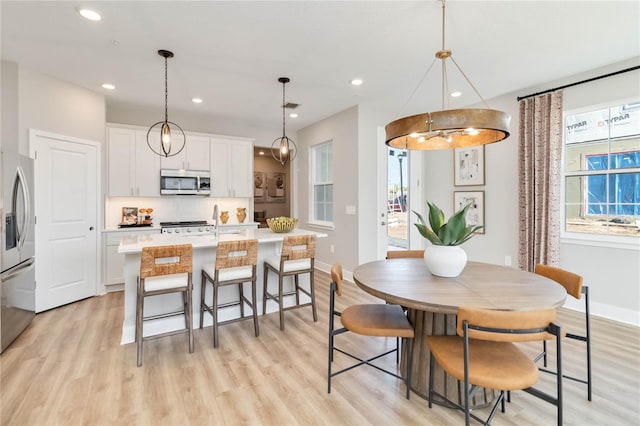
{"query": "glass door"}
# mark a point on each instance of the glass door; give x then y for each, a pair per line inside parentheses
(397, 199)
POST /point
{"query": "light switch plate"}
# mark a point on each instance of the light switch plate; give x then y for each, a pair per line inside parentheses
(351, 210)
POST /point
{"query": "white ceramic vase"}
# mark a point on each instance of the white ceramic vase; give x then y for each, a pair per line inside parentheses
(445, 261)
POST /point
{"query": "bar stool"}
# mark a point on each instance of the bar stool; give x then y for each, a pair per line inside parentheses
(297, 257)
(165, 269)
(235, 264)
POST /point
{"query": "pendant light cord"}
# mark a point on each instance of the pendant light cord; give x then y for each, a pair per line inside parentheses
(166, 92)
(283, 113)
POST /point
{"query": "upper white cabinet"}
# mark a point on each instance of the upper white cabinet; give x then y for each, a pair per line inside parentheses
(231, 167)
(194, 156)
(134, 170)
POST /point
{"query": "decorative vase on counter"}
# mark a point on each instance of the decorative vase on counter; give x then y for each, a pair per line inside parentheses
(224, 216)
(445, 261)
(241, 214)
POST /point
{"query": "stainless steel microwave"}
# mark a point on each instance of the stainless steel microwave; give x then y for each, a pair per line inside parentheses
(185, 182)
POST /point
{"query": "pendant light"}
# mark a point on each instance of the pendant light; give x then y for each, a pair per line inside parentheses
(282, 146)
(448, 129)
(163, 143)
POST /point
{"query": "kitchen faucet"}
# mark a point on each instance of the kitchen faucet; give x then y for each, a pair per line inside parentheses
(215, 218)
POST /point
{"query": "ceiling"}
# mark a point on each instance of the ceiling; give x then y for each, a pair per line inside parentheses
(231, 53)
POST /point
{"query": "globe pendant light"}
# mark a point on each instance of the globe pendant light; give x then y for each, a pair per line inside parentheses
(448, 129)
(163, 145)
(282, 146)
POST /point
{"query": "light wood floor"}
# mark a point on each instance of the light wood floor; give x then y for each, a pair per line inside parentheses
(69, 368)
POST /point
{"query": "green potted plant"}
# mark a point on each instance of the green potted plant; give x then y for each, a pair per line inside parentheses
(444, 257)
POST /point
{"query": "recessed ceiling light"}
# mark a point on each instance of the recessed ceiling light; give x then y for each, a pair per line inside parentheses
(293, 115)
(356, 82)
(261, 152)
(89, 14)
(108, 86)
(196, 100)
(456, 94)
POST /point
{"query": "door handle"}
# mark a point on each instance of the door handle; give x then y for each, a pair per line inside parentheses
(383, 223)
(91, 228)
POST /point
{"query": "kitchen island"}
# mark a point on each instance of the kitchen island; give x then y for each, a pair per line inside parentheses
(204, 251)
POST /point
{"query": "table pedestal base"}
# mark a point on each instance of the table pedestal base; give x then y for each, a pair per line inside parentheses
(429, 323)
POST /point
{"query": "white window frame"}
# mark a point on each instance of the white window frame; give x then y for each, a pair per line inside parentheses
(312, 183)
(580, 238)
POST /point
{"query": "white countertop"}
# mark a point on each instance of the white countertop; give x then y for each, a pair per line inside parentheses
(135, 243)
(153, 227)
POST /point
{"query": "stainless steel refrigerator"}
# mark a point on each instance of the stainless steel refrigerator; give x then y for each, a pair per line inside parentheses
(18, 285)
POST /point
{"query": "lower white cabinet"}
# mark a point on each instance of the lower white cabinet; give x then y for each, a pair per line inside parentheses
(113, 262)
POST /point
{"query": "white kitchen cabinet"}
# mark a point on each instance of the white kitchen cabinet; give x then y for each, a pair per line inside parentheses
(113, 261)
(133, 169)
(194, 156)
(231, 167)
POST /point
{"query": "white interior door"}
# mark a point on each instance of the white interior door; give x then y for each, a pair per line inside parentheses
(66, 207)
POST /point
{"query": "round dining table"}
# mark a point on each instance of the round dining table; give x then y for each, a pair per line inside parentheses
(432, 303)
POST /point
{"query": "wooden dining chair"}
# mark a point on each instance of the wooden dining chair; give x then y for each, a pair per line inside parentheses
(573, 283)
(377, 320)
(483, 354)
(235, 265)
(165, 269)
(404, 254)
(398, 254)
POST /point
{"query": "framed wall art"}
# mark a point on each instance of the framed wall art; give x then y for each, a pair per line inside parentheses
(475, 214)
(259, 187)
(468, 166)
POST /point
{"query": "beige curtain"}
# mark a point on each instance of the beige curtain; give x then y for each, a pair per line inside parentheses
(539, 158)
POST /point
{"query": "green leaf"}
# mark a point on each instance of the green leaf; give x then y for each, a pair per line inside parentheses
(436, 217)
(428, 234)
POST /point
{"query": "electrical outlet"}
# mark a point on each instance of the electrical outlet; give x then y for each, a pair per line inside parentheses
(507, 260)
(331, 248)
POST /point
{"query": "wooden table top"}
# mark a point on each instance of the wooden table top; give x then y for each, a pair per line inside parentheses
(407, 282)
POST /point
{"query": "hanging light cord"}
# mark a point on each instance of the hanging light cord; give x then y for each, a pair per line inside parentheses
(283, 112)
(166, 92)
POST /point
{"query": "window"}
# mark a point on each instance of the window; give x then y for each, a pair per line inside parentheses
(602, 170)
(322, 183)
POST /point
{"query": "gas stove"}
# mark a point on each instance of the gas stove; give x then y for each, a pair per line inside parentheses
(194, 227)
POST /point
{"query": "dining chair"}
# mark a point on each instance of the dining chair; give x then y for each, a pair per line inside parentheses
(573, 284)
(397, 254)
(404, 254)
(483, 354)
(165, 269)
(235, 265)
(296, 258)
(376, 320)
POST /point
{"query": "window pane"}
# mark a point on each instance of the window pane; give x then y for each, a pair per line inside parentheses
(581, 157)
(602, 204)
(319, 194)
(625, 154)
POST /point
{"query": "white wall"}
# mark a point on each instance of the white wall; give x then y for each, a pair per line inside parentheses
(342, 129)
(56, 106)
(9, 115)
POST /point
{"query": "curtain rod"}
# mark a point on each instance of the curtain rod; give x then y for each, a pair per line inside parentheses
(519, 98)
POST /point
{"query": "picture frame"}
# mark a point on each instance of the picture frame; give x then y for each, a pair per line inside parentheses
(276, 187)
(259, 187)
(129, 216)
(468, 166)
(475, 214)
